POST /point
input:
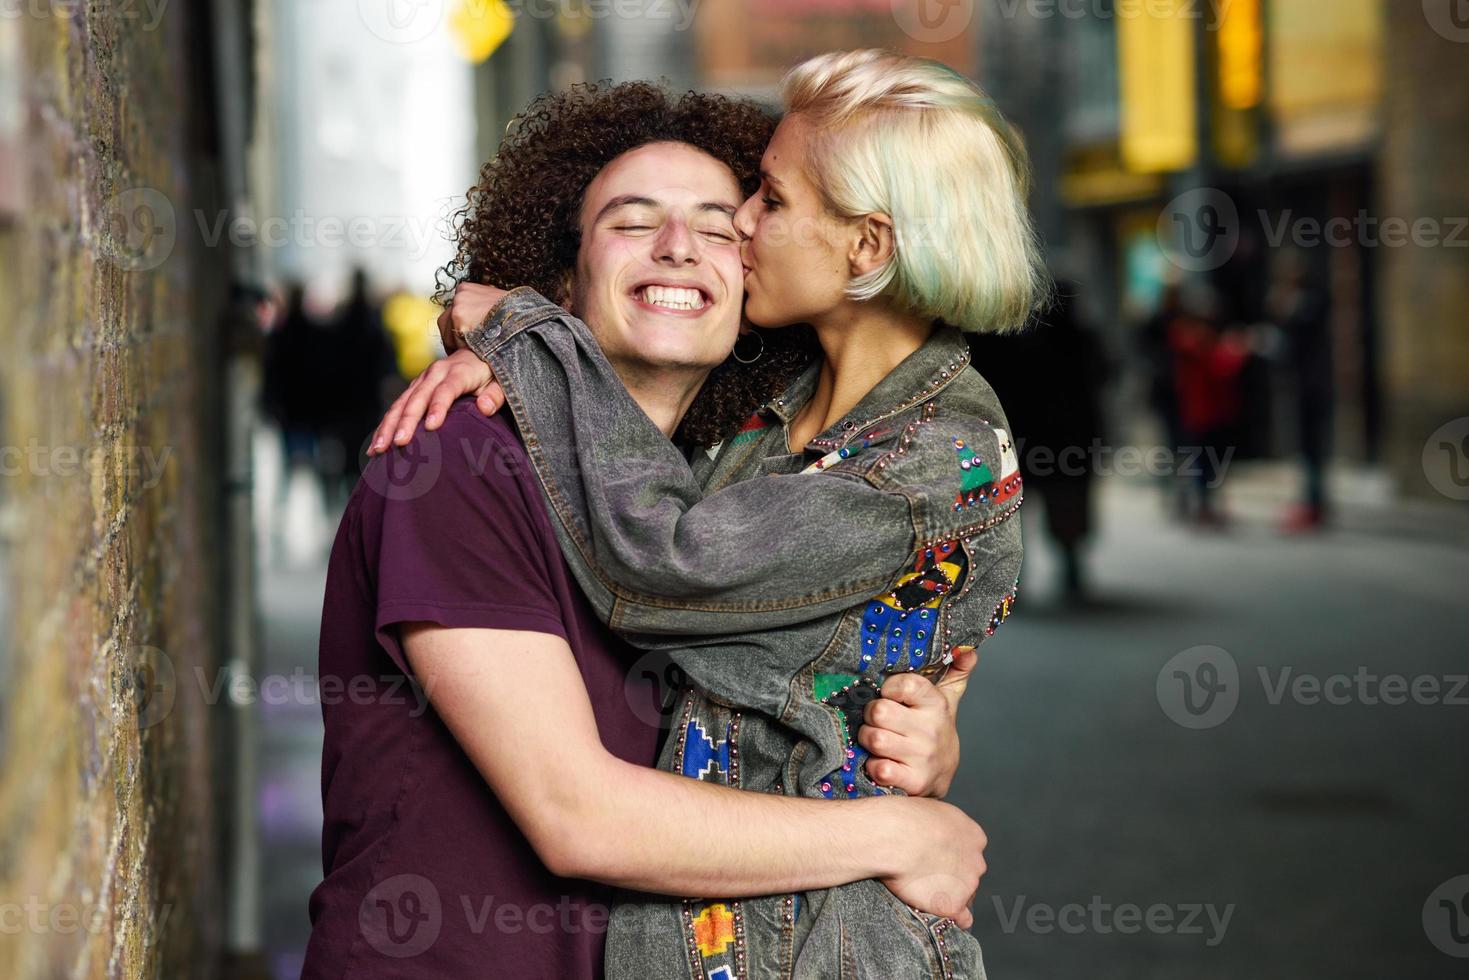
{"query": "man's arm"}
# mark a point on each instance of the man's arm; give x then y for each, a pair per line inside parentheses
(517, 704)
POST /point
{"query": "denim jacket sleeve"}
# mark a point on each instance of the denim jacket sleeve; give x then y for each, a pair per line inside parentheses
(657, 555)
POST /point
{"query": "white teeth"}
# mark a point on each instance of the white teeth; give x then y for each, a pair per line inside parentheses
(672, 298)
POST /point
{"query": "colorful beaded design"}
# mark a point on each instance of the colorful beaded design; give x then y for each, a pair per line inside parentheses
(1003, 610)
(977, 483)
(705, 757)
(903, 620)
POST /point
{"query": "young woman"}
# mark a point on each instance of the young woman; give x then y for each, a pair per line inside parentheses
(891, 216)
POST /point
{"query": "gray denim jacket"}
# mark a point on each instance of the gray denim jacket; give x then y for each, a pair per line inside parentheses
(784, 602)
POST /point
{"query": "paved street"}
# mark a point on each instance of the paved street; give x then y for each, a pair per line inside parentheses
(1325, 826)
(1289, 840)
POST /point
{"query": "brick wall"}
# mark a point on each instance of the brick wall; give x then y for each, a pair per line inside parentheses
(109, 820)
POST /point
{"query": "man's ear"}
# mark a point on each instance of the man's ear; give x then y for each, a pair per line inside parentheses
(874, 245)
(565, 290)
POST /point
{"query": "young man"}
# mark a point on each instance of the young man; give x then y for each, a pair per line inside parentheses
(463, 832)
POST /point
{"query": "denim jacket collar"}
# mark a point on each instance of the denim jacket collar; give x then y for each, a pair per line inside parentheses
(919, 377)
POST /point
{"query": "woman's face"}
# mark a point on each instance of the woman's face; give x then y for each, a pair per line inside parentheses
(796, 254)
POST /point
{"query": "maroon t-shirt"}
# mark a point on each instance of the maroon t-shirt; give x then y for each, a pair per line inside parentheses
(425, 873)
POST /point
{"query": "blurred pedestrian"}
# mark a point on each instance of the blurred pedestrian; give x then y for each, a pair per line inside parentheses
(291, 395)
(1301, 309)
(363, 363)
(1157, 355)
(1207, 361)
(1050, 378)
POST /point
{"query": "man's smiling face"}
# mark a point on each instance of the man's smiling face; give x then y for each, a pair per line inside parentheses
(658, 275)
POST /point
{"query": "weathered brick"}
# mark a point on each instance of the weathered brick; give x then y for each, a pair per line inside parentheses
(110, 824)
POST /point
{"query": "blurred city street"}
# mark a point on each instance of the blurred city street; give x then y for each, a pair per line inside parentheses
(1093, 798)
(1338, 820)
(1222, 734)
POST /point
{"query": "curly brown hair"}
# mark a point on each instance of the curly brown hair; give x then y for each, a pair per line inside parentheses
(521, 223)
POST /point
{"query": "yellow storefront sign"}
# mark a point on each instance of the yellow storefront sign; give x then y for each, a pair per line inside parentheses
(480, 26)
(1156, 57)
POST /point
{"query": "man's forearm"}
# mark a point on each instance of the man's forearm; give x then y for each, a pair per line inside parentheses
(660, 832)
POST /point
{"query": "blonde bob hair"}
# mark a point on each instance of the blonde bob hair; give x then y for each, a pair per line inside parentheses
(913, 139)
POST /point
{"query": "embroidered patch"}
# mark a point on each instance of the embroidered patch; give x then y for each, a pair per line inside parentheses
(1002, 611)
(849, 694)
(978, 483)
(825, 685)
(846, 776)
(903, 620)
(714, 929)
(704, 757)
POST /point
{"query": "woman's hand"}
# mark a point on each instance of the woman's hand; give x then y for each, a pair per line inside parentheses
(467, 310)
(433, 391)
(461, 373)
(910, 731)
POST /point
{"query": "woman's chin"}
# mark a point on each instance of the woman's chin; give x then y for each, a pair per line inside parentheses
(756, 316)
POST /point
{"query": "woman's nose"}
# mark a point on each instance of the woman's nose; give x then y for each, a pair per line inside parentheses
(744, 219)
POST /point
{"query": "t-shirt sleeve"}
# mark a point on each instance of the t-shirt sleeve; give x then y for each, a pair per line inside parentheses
(458, 541)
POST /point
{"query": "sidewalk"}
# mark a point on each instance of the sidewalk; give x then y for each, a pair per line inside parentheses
(1363, 500)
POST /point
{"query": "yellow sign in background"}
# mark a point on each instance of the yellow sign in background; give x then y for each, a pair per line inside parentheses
(1156, 58)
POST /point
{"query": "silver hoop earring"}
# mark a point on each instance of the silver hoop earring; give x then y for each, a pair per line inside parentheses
(758, 354)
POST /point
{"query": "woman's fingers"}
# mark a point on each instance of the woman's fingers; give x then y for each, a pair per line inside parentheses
(459, 380)
(389, 425)
(447, 334)
(416, 403)
(491, 400)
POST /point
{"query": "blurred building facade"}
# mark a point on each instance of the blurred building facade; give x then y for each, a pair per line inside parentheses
(364, 142)
(1196, 142)
(737, 46)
